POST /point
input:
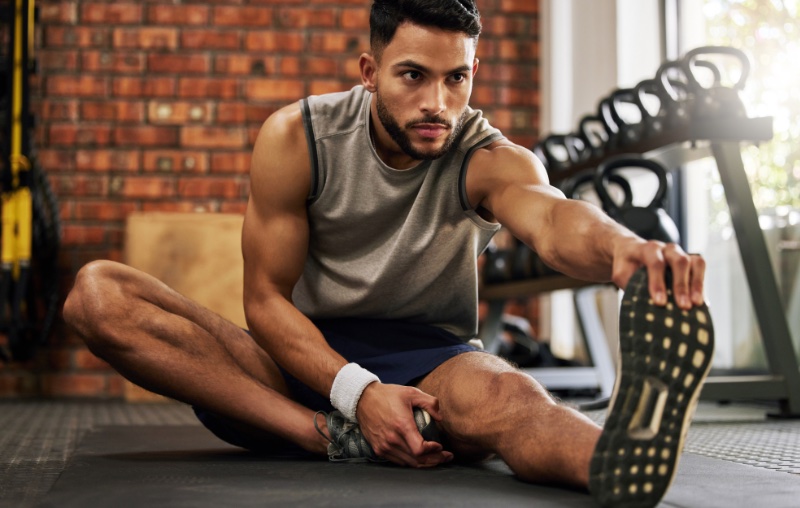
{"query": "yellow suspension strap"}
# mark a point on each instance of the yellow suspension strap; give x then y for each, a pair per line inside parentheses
(17, 220)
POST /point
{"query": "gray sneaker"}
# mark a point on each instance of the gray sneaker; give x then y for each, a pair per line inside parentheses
(347, 443)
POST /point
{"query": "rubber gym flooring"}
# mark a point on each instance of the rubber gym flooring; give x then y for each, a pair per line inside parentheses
(98, 454)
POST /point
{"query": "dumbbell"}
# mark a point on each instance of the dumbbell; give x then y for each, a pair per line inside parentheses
(650, 222)
(715, 100)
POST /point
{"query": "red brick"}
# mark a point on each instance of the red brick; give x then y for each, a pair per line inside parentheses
(179, 64)
(53, 159)
(61, 12)
(116, 386)
(59, 359)
(80, 185)
(219, 88)
(73, 385)
(178, 14)
(58, 109)
(84, 37)
(80, 86)
(281, 42)
(355, 19)
(146, 136)
(173, 161)
(508, 26)
(352, 69)
(305, 18)
(178, 112)
(518, 50)
(208, 188)
(146, 38)
(143, 87)
(319, 87)
(58, 60)
(82, 235)
(179, 206)
(230, 162)
(245, 65)
(242, 16)
(311, 66)
(210, 39)
(111, 13)
(146, 188)
(77, 134)
(274, 89)
(233, 207)
(103, 210)
(517, 97)
(122, 111)
(339, 43)
(107, 160)
(241, 112)
(520, 6)
(213, 137)
(112, 61)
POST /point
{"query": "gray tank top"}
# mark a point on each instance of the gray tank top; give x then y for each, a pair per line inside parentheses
(386, 243)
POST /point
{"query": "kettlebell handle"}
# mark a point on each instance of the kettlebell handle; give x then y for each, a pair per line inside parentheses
(642, 89)
(623, 95)
(666, 85)
(609, 167)
(690, 62)
(587, 134)
(587, 176)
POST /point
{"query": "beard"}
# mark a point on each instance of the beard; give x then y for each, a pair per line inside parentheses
(400, 135)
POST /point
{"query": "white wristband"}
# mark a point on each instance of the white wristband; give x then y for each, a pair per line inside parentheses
(347, 388)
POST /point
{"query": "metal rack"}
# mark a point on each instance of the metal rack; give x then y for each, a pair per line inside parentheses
(720, 139)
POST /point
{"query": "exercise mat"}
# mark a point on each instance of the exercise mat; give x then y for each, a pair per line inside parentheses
(176, 466)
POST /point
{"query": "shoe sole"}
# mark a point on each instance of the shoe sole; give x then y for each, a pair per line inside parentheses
(665, 355)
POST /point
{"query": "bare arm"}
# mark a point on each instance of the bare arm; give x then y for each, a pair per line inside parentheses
(574, 237)
(274, 245)
(275, 240)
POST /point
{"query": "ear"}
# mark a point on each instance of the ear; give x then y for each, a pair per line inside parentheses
(369, 71)
(475, 67)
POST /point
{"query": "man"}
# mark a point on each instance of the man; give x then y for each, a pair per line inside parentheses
(367, 212)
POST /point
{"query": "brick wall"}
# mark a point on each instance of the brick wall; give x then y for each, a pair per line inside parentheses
(155, 106)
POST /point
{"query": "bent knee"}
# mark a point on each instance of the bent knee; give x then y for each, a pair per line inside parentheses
(94, 300)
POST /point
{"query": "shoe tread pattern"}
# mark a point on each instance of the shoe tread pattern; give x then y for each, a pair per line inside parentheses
(663, 347)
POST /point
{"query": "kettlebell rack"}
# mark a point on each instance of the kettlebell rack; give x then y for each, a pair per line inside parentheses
(721, 139)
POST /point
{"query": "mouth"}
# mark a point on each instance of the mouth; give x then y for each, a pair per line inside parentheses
(429, 130)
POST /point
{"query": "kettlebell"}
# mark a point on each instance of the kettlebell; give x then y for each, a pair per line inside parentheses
(497, 268)
(561, 151)
(630, 131)
(653, 120)
(609, 125)
(673, 90)
(650, 222)
(716, 100)
(591, 131)
(572, 187)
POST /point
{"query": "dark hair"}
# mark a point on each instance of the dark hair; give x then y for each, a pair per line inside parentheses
(453, 15)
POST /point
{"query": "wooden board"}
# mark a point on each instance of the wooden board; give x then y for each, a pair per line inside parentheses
(197, 254)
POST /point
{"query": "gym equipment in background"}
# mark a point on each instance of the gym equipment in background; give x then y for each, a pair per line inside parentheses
(651, 222)
(31, 228)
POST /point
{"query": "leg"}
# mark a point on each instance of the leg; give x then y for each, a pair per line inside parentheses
(489, 407)
(168, 344)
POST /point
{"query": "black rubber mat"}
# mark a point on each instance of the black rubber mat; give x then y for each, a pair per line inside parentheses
(161, 466)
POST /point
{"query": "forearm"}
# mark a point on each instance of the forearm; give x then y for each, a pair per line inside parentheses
(294, 342)
(581, 241)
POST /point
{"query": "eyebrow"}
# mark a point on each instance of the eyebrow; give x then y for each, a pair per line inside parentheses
(414, 65)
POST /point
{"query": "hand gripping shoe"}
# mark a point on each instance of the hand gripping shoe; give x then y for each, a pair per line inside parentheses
(665, 354)
(347, 443)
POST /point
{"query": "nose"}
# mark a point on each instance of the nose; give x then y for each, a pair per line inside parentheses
(433, 101)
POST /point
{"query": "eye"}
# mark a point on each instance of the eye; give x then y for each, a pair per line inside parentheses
(458, 78)
(412, 75)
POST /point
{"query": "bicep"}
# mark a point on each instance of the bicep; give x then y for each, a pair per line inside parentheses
(275, 231)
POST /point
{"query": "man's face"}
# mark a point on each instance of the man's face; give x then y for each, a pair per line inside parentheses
(423, 85)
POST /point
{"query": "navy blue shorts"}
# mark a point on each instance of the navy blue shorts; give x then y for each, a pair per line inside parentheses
(397, 352)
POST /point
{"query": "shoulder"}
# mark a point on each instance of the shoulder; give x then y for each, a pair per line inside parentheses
(281, 163)
(503, 162)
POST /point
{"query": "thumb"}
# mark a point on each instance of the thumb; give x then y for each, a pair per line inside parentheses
(429, 403)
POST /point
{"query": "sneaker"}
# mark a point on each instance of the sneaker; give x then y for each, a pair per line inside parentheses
(347, 443)
(665, 355)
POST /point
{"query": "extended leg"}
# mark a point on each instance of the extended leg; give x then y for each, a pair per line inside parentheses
(489, 407)
(170, 345)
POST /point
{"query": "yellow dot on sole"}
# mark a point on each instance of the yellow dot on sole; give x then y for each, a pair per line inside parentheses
(685, 328)
(668, 322)
(663, 469)
(648, 470)
(702, 337)
(676, 371)
(647, 488)
(701, 317)
(698, 359)
(648, 337)
(634, 469)
(688, 381)
(633, 488)
(682, 349)
(665, 454)
(650, 317)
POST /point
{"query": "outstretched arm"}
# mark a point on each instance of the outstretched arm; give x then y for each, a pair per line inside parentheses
(574, 237)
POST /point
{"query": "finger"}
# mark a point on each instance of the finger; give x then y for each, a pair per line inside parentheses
(427, 402)
(654, 260)
(680, 264)
(698, 275)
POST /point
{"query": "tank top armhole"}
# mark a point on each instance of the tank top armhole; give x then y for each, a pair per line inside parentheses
(462, 183)
(311, 139)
